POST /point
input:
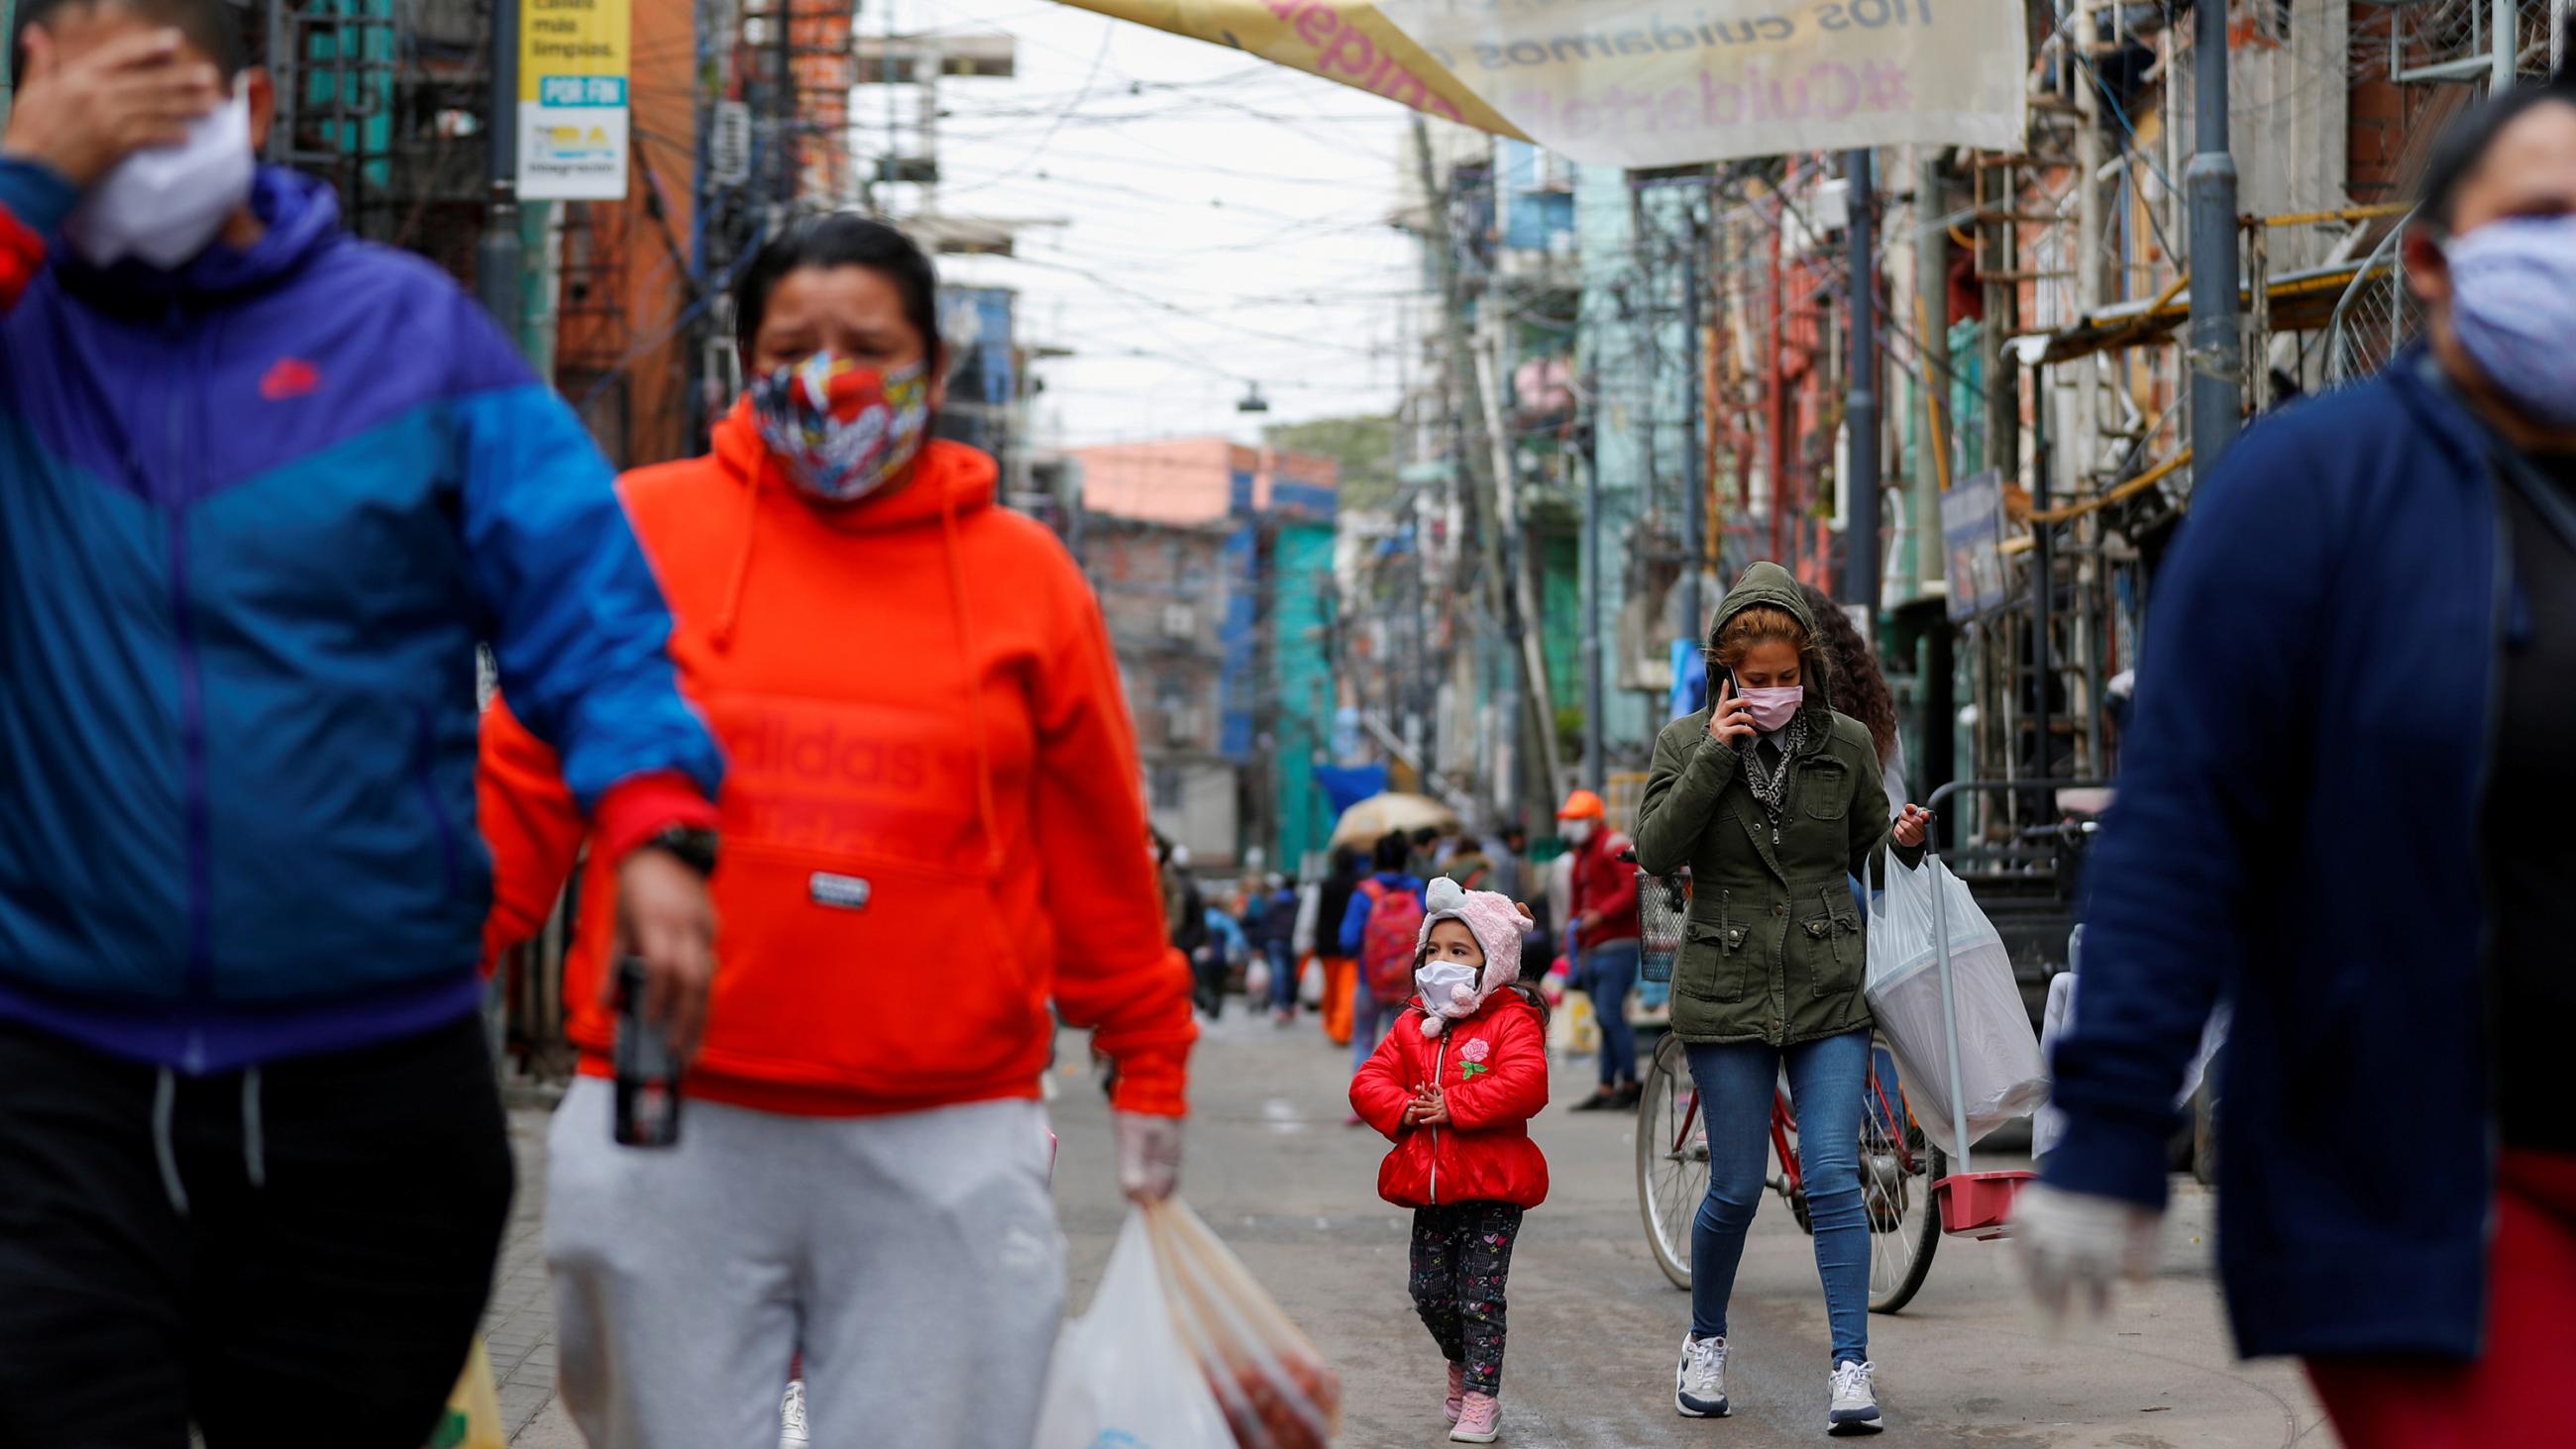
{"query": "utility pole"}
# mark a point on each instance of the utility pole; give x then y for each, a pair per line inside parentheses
(1465, 389)
(1694, 471)
(1534, 702)
(498, 255)
(782, 140)
(1932, 286)
(1590, 579)
(2217, 346)
(2043, 583)
(1860, 561)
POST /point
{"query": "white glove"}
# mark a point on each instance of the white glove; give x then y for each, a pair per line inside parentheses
(1149, 1155)
(2073, 1244)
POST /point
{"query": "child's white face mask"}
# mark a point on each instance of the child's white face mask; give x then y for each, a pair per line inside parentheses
(1440, 982)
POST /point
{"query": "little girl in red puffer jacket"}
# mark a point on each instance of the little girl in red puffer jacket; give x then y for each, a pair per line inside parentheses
(1454, 1086)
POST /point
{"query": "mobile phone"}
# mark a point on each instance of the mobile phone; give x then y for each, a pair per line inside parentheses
(647, 1108)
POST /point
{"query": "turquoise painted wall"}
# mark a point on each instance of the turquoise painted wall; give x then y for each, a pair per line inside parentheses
(1301, 577)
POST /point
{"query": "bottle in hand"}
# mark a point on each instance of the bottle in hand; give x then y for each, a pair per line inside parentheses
(648, 1072)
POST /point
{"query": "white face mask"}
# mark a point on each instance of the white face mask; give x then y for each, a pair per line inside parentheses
(1439, 980)
(1578, 831)
(164, 205)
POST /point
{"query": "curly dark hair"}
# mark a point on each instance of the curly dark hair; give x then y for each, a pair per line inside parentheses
(1859, 689)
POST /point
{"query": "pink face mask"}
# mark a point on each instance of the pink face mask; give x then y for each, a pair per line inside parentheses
(1773, 708)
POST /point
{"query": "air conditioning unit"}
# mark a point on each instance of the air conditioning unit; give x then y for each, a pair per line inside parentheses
(1180, 621)
(1181, 727)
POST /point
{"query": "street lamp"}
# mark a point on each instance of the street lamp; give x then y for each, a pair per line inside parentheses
(1253, 401)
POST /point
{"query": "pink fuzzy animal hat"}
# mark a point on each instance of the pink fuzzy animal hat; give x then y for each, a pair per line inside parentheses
(1498, 925)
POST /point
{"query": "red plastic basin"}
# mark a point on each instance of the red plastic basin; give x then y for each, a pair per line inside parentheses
(1976, 1204)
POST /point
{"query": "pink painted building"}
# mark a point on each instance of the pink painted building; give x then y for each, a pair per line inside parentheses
(1204, 480)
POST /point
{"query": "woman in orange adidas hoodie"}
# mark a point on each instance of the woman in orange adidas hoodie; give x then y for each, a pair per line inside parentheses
(931, 829)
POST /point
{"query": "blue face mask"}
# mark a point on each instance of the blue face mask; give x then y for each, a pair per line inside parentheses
(2513, 307)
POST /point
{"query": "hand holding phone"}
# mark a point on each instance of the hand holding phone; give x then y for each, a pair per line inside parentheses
(1731, 722)
(647, 1108)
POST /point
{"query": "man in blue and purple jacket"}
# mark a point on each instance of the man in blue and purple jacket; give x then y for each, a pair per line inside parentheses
(263, 490)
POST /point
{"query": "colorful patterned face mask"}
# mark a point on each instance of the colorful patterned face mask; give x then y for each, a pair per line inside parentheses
(842, 430)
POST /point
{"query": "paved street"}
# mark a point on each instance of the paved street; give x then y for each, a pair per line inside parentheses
(1594, 1325)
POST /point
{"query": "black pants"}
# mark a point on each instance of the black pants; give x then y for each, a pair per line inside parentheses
(322, 1282)
(1462, 1255)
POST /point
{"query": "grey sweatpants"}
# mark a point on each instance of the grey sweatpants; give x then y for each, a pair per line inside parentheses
(914, 1259)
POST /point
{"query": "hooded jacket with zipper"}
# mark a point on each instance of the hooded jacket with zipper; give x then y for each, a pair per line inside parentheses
(1772, 951)
(2298, 832)
(932, 826)
(1492, 1069)
(255, 514)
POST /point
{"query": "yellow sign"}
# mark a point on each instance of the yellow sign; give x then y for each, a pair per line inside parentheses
(1652, 82)
(1340, 40)
(573, 134)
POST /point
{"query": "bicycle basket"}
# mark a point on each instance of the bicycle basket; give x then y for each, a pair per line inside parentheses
(1663, 908)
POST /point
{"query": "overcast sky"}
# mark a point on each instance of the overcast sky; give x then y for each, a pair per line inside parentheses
(1224, 220)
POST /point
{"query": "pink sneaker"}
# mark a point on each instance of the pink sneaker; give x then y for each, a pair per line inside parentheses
(1480, 1420)
(1457, 1392)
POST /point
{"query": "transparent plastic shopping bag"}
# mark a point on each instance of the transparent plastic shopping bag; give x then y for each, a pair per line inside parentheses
(1274, 1386)
(1183, 1349)
(2000, 1074)
(1120, 1375)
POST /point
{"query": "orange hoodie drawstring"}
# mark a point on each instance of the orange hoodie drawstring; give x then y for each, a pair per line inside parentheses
(721, 636)
(974, 686)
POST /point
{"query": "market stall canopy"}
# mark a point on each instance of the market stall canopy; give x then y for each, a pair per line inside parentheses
(1362, 824)
(1637, 83)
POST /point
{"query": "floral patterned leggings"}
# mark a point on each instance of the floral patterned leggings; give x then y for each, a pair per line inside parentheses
(1462, 1252)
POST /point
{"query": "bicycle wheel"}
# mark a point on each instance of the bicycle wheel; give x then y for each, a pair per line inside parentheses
(1672, 1159)
(1897, 1171)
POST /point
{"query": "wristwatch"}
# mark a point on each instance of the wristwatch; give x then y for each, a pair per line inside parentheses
(695, 847)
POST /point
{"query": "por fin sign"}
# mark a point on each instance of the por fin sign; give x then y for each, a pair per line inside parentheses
(1644, 83)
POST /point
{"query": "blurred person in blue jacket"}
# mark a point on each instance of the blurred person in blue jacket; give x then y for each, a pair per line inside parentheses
(263, 490)
(2343, 810)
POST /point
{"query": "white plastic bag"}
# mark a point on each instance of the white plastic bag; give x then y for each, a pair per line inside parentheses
(1256, 982)
(1120, 1375)
(2000, 1069)
(1310, 983)
(2049, 1126)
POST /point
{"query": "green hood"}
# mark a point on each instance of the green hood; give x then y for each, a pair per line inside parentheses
(1768, 583)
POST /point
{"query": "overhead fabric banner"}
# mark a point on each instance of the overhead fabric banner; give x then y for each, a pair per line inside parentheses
(1340, 40)
(573, 134)
(1645, 83)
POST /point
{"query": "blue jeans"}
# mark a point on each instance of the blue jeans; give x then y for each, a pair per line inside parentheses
(1283, 979)
(1370, 1019)
(1825, 1085)
(1608, 973)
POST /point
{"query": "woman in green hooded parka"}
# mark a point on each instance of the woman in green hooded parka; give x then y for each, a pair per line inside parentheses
(1774, 802)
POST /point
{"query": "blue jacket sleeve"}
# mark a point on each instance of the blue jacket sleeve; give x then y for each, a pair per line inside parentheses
(2224, 682)
(1355, 922)
(576, 619)
(34, 203)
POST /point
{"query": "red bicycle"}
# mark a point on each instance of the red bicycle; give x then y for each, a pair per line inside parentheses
(1897, 1166)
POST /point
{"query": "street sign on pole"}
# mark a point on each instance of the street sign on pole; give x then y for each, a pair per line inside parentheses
(573, 131)
(729, 144)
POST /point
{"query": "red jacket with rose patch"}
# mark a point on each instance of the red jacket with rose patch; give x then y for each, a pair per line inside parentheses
(1492, 1067)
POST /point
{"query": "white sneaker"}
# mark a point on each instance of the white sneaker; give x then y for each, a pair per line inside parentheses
(791, 1417)
(1855, 1409)
(1699, 1382)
